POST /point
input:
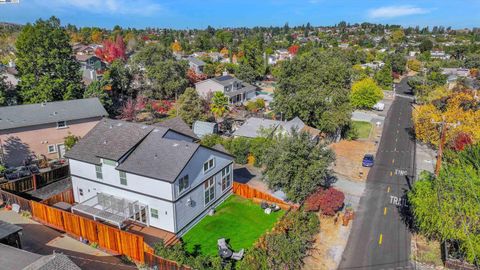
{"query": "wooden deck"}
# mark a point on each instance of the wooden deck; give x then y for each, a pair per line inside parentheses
(153, 235)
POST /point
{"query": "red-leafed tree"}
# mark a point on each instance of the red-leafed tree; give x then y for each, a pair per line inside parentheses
(195, 77)
(162, 106)
(111, 51)
(293, 50)
(461, 140)
(329, 201)
(128, 110)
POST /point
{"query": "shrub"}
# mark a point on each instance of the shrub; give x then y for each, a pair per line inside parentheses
(461, 140)
(284, 247)
(414, 64)
(238, 147)
(329, 201)
(211, 139)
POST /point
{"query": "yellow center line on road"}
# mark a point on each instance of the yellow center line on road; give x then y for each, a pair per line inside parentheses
(380, 239)
(391, 173)
(388, 189)
(385, 211)
(393, 161)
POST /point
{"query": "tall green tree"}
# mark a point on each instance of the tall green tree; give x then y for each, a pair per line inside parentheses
(219, 104)
(246, 73)
(315, 87)
(7, 92)
(120, 78)
(162, 76)
(45, 62)
(365, 93)
(97, 89)
(448, 207)
(191, 107)
(297, 165)
(384, 76)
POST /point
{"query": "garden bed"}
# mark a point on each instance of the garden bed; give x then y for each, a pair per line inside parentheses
(238, 220)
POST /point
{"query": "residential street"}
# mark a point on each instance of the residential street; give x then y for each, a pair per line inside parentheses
(379, 238)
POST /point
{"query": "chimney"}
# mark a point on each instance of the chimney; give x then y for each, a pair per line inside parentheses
(225, 72)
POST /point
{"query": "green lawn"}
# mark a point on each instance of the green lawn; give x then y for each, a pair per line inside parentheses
(238, 220)
(363, 129)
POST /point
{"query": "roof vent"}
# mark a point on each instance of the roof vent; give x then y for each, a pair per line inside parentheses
(155, 156)
(156, 130)
(44, 103)
(105, 142)
(144, 127)
(111, 126)
(119, 124)
(175, 144)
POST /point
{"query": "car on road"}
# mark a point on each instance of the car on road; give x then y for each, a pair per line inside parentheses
(368, 160)
(379, 106)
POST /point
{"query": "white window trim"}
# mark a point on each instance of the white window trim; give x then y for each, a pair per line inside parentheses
(96, 172)
(210, 168)
(59, 127)
(54, 148)
(125, 178)
(179, 185)
(210, 187)
(227, 175)
(151, 213)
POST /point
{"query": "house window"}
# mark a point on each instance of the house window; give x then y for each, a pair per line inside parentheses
(183, 183)
(123, 178)
(209, 187)
(154, 213)
(61, 124)
(98, 171)
(207, 166)
(226, 178)
(52, 148)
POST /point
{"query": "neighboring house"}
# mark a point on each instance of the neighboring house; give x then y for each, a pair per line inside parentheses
(196, 64)
(459, 72)
(439, 55)
(81, 49)
(30, 131)
(279, 55)
(152, 175)
(92, 67)
(17, 259)
(202, 128)
(178, 125)
(236, 90)
(373, 65)
(256, 127)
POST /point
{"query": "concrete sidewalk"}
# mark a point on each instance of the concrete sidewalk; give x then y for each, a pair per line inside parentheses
(425, 159)
(43, 240)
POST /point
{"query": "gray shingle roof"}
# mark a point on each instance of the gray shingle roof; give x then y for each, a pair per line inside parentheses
(50, 112)
(253, 125)
(159, 158)
(196, 61)
(110, 139)
(7, 229)
(16, 259)
(178, 125)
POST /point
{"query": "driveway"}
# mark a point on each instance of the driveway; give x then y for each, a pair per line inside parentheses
(43, 240)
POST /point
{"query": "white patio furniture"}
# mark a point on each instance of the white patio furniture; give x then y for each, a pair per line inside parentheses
(238, 255)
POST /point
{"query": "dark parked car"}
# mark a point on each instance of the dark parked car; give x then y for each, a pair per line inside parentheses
(368, 160)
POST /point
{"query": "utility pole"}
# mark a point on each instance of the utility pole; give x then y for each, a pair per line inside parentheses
(443, 134)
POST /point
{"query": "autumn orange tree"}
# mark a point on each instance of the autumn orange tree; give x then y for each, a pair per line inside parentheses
(111, 51)
(459, 108)
(176, 46)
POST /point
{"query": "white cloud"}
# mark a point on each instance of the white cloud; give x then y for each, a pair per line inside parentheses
(395, 11)
(121, 7)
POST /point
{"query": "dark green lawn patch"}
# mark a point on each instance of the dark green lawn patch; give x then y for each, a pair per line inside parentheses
(237, 219)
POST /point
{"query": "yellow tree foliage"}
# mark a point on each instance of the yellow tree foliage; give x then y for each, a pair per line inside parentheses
(459, 110)
(176, 46)
(414, 64)
(224, 52)
(97, 36)
(398, 35)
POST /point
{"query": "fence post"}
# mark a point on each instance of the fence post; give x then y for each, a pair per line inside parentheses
(34, 181)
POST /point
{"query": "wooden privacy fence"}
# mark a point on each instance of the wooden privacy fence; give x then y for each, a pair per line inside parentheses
(10, 198)
(36, 181)
(161, 264)
(108, 238)
(256, 195)
(66, 196)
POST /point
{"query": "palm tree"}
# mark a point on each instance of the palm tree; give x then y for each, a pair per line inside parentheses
(219, 104)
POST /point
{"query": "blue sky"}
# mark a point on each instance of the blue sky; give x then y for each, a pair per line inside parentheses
(201, 13)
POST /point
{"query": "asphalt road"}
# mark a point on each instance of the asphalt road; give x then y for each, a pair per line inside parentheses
(380, 238)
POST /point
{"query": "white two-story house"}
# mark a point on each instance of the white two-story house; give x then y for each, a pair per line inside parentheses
(236, 90)
(154, 175)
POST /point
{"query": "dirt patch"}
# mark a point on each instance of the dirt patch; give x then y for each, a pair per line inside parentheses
(349, 156)
(329, 245)
(427, 252)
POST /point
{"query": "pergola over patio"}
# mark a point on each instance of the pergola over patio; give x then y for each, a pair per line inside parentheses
(112, 209)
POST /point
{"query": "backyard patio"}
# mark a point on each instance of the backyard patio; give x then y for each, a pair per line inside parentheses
(240, 221)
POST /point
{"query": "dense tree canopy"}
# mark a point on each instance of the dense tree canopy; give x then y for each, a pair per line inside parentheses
(297, 165)
(448, 207)
(315, 87)
(163, 76)
(190, 107)
(365, 93)
(47, 69)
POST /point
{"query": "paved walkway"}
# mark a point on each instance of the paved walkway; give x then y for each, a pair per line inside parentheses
(43, 240)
